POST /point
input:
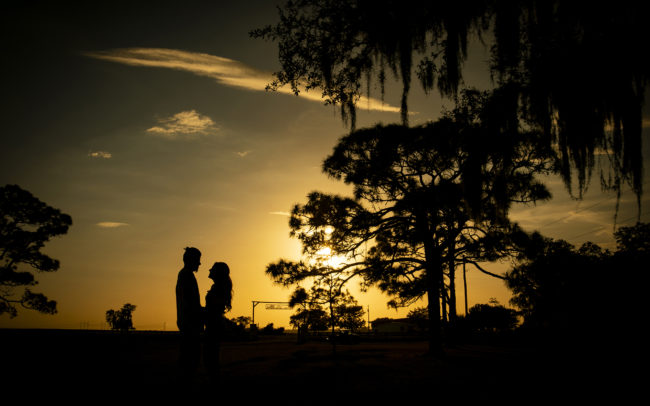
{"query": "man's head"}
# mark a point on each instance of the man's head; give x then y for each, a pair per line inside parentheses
(192, 258)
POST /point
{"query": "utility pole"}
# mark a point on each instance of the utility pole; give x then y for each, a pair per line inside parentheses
(465, 286)
(368, 318)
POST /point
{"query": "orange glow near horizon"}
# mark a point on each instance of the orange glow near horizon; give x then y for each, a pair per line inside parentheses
(176, 143)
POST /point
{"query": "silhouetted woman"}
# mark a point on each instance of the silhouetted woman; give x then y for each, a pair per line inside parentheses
(217, 302)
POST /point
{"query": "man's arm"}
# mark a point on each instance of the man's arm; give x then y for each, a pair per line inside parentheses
(180, 308)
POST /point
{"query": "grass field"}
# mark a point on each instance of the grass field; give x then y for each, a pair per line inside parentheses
(74, 364)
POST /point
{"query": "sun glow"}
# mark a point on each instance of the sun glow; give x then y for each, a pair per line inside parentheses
(324, 256)
(336, 261)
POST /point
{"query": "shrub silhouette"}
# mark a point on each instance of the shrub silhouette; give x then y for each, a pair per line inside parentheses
(121, 319)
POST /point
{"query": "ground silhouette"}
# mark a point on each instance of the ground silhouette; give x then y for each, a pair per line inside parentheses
(275, 370)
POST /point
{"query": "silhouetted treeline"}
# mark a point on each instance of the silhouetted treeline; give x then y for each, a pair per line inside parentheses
(583, 296)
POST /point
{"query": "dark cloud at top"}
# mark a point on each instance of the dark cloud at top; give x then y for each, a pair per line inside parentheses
(55, 97)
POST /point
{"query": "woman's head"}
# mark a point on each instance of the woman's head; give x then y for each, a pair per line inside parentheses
(220, 274)
(219, 271)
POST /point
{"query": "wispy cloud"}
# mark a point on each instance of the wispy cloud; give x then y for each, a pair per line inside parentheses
(100, 154)
(183, 124)
(280, 213)
(225, 71)
(242, 154)
(110, 224)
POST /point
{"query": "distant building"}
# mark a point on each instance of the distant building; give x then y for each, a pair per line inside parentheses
(393, 326)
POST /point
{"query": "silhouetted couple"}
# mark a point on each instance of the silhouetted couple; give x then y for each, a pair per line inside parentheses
(192, 318)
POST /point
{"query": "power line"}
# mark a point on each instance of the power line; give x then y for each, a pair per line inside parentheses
(576, 212)
(584, 208)
(602, 227)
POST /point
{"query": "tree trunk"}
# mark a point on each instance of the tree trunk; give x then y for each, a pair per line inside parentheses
(443, 300)
(332, 320)
(465, 286)
(452, 280)
(433, 274)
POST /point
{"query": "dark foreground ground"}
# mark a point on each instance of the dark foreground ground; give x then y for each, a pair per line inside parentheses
(102, 365)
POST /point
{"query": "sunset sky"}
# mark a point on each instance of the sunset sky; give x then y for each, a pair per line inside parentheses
(151, 127)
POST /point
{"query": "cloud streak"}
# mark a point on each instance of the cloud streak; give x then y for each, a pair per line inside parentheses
(225, 71)
(280, 213)
(184, 123)
(111, 224)
(100, 154)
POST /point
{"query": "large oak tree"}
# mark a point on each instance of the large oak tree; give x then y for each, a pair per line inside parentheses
(415, 204)
(26, 224)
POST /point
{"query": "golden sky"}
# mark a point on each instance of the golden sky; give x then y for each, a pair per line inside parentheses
(152, 129)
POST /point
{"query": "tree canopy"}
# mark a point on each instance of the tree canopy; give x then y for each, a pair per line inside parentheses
(491, 317)
(560, 288)
(634, 239)
(25, 226)
(327, 290)
(313, 318)
(574, 70)
(578, 301)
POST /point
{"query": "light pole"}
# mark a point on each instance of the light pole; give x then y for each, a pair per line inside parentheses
(369, 318)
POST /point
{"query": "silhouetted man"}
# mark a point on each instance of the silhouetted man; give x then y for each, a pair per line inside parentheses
(189, 313)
